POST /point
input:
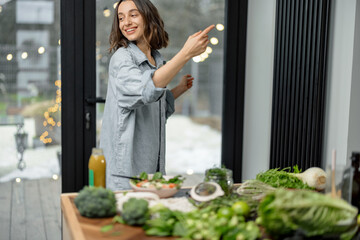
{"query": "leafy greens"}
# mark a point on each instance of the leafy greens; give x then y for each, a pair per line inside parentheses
(282, 178)
(283, 212)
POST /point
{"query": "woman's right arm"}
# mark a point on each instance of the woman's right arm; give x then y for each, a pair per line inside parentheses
(195, 45)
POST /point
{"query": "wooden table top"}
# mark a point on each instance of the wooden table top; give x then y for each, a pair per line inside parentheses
(82, 228)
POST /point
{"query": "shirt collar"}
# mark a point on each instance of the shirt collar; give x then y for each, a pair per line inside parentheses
(140, 57)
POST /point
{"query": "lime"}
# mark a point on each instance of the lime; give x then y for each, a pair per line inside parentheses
(241, 208)
(225, 212)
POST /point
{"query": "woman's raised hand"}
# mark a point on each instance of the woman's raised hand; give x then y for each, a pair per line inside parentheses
(197, 43)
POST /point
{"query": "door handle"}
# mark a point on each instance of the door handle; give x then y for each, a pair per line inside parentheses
(87, 120)
(95, 100)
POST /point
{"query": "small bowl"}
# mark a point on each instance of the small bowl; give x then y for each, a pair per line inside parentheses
(162, 193)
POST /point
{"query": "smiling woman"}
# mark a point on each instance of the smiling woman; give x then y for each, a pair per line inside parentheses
(138, 102)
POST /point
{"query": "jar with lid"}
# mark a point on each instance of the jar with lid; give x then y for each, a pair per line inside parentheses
(222, 176)
(97, 168)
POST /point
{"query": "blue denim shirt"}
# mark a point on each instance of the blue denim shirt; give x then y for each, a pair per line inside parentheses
(133, 128)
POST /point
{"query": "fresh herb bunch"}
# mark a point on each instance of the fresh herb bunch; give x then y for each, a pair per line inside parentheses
(282, 178)
(222, 177)
(283, 212)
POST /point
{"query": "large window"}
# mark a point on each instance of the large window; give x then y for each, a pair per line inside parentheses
(194, 131)
(30, 89)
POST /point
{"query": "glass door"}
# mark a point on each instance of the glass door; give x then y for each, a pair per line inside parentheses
(193, 141)
(30, 90)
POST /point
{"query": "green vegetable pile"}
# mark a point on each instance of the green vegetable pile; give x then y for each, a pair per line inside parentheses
(223, 218)
(282, 178)
(135, 212)
(283, 212)
(220, 219)
(96, 202)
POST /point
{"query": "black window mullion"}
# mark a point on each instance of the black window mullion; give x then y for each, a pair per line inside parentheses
(234, 85)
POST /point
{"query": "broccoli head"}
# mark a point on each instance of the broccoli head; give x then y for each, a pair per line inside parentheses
(96, 202)
(135, 212)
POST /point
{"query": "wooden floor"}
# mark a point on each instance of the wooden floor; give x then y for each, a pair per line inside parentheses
(30, 210)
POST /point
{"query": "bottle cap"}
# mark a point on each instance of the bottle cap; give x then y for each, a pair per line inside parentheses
(97, 151)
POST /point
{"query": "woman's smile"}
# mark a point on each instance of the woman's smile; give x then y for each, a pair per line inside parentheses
(130, 31)
(131, 22)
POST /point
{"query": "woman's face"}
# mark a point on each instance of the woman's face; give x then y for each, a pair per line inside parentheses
(131, 22)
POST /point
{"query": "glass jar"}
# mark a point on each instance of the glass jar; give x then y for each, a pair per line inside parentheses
(222, 176)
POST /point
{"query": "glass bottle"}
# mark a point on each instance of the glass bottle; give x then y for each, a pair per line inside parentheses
(355, 163)
(97, 168)
(222, 176)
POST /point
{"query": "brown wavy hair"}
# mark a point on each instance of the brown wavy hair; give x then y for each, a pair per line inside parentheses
(154, 31)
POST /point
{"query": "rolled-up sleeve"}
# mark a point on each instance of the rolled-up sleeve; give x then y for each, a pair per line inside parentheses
(134, 88)
(170, 107)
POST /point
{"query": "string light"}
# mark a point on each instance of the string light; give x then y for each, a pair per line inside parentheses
(24, 55)
(204, 55)
(115, 5)
(107, 12)
(220, 27)
(41, 50)
(49, 120)
(9, 57)
(214, 41)
(208, 50)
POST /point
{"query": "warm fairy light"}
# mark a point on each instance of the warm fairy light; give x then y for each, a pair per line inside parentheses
(196, 59)
(220, 27)
(41, 50)
(49, 120)
(107, 12)
(59, 42)
(9, 57)
(208, 50)
(190, 172)
(17, 179)
(24, 55)
(55, 177)
(214, 41)
(114, 5)
(0, 8)
(204, 55)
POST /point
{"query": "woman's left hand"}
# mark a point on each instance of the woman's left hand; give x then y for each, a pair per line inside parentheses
(186, 82)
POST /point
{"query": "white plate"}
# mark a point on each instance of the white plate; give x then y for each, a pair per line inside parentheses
(162, 193)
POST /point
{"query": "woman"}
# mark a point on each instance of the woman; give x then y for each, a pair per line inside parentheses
(138, 102)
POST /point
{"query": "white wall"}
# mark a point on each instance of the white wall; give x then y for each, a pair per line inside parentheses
(340, 69)
(258, 87)
(354, 118)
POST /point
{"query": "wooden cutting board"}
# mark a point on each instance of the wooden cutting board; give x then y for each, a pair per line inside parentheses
(77, 227)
